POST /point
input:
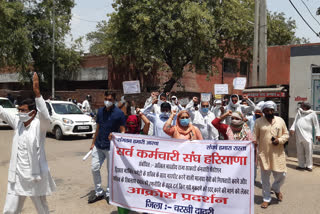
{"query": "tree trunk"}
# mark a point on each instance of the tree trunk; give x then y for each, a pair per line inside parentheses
(169, 84)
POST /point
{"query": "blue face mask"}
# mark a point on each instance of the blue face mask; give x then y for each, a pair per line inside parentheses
(184, 122)
(205, 110)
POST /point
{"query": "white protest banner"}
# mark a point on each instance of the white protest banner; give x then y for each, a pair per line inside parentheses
(131, 87)
(160, 175)
(239, 83)
(205, 97)
(221, 89)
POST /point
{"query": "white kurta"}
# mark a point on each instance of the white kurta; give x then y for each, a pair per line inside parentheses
(203, 122)
(86, 106)
(29, 174)
(303, 125)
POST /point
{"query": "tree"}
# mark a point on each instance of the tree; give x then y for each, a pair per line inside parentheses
(281, 31)
(26, 38)
(178, 33)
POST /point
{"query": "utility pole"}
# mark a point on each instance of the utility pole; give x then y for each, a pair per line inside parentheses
(53, 42)
(254, 77)
(260, 44)
(263, 46)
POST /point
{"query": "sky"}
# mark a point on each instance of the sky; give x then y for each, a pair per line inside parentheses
(86, 15)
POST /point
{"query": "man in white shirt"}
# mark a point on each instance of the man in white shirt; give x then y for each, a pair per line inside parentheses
(175, 105)
(306, 119)
(29, 174)
(86, 108)
(202, 119)
(158, 120)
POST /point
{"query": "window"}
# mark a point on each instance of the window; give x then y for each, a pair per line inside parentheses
(229, 65)
(244, 68)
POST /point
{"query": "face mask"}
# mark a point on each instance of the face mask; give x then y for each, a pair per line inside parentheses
(160, 102)
(257, 116)
(108, 103)
(165, 114)
(205, 110)
(184, 122)
(269, 116)
(237, 122)
(24, 117)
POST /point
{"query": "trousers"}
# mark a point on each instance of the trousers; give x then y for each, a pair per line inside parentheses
(14, 204)
(304, 153)
(98, 157)
(279, 178)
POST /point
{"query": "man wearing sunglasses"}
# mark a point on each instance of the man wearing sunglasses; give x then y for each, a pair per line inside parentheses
(29, 174)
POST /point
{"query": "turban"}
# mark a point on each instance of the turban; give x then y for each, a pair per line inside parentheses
(269, 104)
(259, 106)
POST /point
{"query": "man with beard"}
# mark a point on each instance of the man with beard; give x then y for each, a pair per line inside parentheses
(302, 127)
(271, 135)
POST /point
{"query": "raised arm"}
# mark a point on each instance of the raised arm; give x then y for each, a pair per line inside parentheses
(168, 128)
(40, 103)
(250, 107)
(145, 120)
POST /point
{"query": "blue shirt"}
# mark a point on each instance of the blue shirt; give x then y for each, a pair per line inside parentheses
(109, 121)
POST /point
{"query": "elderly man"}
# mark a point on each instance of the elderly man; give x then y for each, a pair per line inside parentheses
(202, 119)
(306, 119)
(271, 135)
(29, 174)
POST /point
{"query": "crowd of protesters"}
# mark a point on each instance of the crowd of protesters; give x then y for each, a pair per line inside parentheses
(162, 116)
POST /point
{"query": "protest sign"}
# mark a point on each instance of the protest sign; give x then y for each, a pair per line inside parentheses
(218, 96)
(131, 87)
(206, 97)
(239, 83)
(160, 175)
(221, 89)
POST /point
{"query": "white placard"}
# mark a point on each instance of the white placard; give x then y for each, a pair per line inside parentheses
(131, 87)
(239, 83)
(158, 175)
(221, 89)
(206, 97)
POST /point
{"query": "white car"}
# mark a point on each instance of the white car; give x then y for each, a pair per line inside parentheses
(68, 119)
(9, 107)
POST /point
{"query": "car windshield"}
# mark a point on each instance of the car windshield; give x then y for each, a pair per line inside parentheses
(66, 108)
(6, 104)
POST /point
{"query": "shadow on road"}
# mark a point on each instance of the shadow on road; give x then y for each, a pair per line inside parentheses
(258, 200)
(69, 138)
(291, 166)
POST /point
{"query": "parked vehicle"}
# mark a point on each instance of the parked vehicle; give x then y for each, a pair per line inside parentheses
(68, 119)
(7, 104)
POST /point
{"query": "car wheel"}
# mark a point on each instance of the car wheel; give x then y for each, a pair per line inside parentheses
(58, 133)
(89, 135)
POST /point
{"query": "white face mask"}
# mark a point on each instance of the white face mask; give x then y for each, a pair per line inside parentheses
(108, 103)
(165, 114)
(24, 117)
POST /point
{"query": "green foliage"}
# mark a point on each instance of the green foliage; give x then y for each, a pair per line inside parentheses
(176, 33)
(281, 31)
(26, 37)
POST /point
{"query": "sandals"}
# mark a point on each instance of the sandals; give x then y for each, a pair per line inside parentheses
(265, 205)
(279, 196)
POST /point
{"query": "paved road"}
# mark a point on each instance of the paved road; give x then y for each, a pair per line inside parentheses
(74, 181)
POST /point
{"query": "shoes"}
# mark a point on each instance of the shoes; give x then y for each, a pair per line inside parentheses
(308, 169)
(300, 168)
(265, 205)
(94, 198)
(279, 196)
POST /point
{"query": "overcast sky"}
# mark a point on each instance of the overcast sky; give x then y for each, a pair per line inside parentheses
(86, 14)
